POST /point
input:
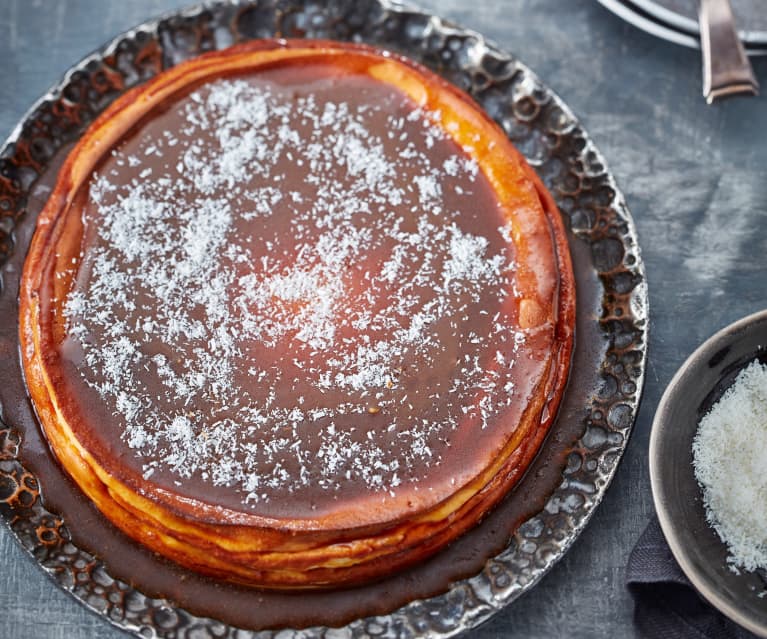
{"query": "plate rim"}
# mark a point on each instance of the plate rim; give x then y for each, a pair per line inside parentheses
(685, 33)
(685, 23)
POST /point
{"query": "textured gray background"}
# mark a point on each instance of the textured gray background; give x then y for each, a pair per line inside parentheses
(695, 178)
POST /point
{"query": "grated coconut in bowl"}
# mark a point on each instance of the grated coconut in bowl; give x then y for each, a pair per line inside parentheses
(730, 463)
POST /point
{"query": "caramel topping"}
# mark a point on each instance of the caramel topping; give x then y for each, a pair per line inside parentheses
(293, 282)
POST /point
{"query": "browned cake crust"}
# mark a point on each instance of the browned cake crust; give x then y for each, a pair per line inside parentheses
(349, 533)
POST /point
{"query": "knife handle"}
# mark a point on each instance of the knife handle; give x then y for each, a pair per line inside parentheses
(726, 69)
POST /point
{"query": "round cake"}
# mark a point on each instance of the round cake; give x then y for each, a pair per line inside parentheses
(296, 314)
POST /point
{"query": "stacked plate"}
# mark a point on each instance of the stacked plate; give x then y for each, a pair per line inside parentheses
(677, 20)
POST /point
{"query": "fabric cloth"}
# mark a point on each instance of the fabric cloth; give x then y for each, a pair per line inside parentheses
(666, 604)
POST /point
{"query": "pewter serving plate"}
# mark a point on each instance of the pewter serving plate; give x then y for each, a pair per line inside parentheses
(600, 404)
(700, 382)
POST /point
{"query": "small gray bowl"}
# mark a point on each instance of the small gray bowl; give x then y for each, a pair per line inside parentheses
(697, 385)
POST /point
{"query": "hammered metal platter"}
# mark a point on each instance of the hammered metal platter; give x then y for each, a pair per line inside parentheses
(540, 125)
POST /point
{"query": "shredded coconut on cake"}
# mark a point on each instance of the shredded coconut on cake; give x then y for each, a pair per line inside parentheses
(730, 457)
(208, 262)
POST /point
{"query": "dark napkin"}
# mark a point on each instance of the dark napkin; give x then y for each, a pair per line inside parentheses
(666, 604)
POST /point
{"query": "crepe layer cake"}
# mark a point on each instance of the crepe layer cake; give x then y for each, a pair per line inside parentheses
(296, 314)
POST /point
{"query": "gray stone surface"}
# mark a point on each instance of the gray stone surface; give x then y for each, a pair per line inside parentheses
(695, 178)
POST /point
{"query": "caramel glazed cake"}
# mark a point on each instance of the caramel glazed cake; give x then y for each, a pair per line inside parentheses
(296, 315)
